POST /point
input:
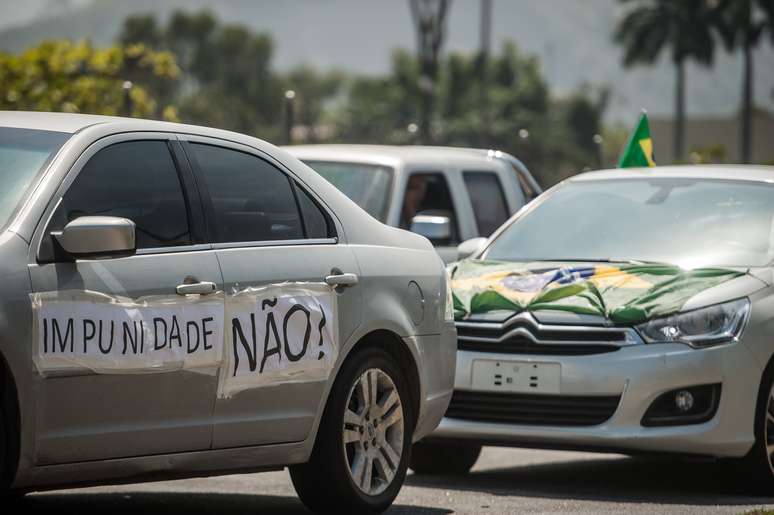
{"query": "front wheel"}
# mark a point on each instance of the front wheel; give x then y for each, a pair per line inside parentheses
(758, 465)
(361, 452)
(443, 459)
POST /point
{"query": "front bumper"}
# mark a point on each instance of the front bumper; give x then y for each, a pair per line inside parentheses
(638, 374)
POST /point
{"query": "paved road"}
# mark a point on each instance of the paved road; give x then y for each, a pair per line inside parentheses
(503, 481)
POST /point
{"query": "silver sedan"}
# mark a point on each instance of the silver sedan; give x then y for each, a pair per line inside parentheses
(184, 301)
(628, 310)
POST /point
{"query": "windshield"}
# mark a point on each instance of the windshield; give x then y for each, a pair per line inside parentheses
(687, 222)
(367, 185)
(23, 153)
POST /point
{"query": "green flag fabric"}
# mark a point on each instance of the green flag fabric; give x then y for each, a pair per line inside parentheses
(624, 294)
(639, 149)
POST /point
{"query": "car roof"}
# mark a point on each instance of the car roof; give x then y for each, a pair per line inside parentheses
(757, 173)
(74, 122)
(388, 155)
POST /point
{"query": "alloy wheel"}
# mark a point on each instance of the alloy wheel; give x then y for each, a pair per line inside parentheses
(373, 431)
(769, 430)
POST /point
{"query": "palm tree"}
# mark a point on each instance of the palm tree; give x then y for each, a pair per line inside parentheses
(741, 24)
(684, 27)
(429, 18)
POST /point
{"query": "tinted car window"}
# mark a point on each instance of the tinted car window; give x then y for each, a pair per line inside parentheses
(428, 193)
(251, 199)
(315, 221)
(137, 180)
(488, 199)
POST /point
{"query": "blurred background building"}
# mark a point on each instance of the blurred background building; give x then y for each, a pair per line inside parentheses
(715, 139)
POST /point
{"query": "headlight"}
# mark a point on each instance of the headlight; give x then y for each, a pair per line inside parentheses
(705, 327)
(448, 312)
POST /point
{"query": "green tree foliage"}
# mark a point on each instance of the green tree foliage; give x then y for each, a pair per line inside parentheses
(76, 77)
(554, 137)
(380, 109)
(316, 94)
(228, 81)
(684, 28)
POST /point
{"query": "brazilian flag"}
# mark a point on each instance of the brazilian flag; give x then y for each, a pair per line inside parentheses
(639, 149)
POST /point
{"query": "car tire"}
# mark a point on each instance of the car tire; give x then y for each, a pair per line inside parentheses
(443, 459)
(4, 486)
(362, 448)
(7, 441)
(757, 468)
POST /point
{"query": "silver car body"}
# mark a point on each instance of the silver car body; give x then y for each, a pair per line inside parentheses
(80, 426)
(516, 183)
(638, 373)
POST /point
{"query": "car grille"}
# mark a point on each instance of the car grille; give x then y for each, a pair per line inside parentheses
(531, 409)
(522, 334)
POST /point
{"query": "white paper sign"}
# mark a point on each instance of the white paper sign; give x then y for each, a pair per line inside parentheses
(279, 334)
(257, 336)
(109, 335)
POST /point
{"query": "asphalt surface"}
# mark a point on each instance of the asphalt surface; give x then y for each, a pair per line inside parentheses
(503, 481)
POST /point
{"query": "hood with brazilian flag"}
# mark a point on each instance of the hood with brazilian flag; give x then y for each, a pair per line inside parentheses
(639, 149)
(625, 294)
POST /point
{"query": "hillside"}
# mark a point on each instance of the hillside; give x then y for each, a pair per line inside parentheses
(573, 40)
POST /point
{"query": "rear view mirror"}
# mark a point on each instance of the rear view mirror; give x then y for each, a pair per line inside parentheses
(436, 228)
(470, 247)
(97, 236)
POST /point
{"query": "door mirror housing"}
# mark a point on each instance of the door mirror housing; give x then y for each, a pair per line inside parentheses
(94, 236)
(470, 247)
(435, 227)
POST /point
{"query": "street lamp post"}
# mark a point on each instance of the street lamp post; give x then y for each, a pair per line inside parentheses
(127, 87)
(290, 96)
(599, 141)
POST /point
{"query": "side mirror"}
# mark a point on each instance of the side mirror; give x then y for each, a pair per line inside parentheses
(470, 247)
(97, 236)
(436, 228)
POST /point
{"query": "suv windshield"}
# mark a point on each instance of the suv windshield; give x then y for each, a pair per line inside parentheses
(687, 222)
(23, 153)
(367, 185)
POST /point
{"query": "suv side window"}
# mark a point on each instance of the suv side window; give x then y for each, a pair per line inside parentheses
(428, 193)
(488, 200)
(137, 180)
(251, 199)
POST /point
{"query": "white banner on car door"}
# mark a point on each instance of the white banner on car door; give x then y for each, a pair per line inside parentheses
(106, 334)
(278, 334)
(254, 337)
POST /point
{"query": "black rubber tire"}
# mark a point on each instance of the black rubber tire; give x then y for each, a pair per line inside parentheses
(323, 483)
(755, 473)
(9, 438)
(4, 479)
(443, 459)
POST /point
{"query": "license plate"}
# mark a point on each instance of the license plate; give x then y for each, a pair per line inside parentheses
(516, 376)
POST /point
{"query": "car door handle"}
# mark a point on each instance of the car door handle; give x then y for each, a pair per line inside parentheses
(202, 288)
(341, 279)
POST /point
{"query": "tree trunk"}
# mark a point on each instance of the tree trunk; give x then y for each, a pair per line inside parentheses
(679, 141)
(429, 18)
(747, 97)
(427, 87)
(483, 99)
